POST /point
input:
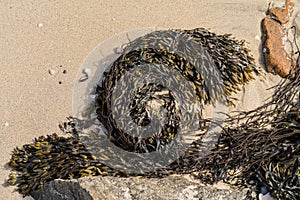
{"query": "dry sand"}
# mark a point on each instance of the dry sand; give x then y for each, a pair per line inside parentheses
(36, 36)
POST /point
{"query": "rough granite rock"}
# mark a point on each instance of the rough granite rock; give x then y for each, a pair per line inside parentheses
(113, 188)
(277, 59)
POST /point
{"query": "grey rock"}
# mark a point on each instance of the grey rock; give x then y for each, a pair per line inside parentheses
(112, 188)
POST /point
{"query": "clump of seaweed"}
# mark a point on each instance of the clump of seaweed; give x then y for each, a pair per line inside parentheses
(52, 157)
(215, 65)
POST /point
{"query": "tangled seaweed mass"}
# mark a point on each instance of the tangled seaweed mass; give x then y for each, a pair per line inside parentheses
(163, 73)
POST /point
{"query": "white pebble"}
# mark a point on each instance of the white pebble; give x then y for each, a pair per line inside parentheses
(113, 19)
(265, 197)
(257, 38)
(6, 124)
(40, 24)
(86, 71)
(52, 71)
(264, 50)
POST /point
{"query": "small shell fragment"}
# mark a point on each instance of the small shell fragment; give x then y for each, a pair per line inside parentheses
(84, 78)
(40, 24)
(257, 37)
(52, 71)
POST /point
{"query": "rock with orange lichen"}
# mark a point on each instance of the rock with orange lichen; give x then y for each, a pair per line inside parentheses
(277, 59)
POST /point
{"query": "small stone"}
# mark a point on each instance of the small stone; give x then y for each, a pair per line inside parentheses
(113, 19)
(65, 71)
(119, 50)
(83, 78)
(6, 124)
(40, 24)
(86, 71)
(265, 50)
(264, 190)
(257, 37)
(265, 197)
(52, 71)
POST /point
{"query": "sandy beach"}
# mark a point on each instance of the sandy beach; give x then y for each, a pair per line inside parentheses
(38, 37)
